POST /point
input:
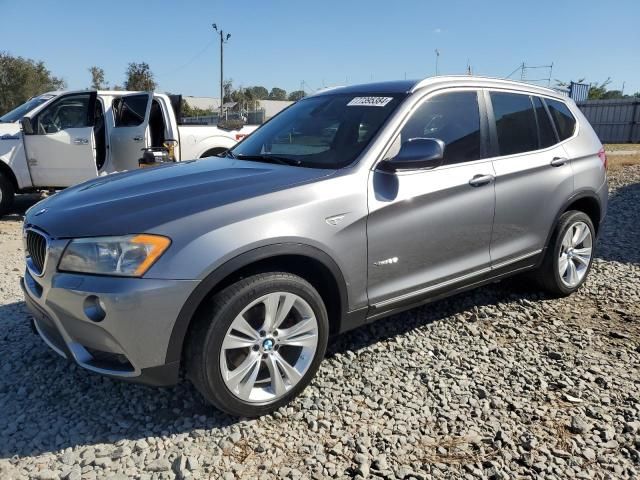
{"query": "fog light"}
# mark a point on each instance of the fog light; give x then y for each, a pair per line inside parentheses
(94, 308)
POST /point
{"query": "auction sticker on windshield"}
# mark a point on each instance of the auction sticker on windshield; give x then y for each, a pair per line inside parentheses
(369, 101)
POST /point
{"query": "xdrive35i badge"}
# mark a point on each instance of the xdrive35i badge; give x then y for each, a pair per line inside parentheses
(388, 261)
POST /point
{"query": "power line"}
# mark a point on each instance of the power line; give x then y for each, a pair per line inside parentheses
(191, 60)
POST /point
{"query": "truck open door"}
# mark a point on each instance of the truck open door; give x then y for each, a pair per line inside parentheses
(129, 135)
(59, 141)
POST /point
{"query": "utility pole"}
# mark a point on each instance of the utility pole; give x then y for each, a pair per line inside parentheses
(224, 38)
(437, 58)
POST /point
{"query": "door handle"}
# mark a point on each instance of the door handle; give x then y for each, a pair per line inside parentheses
(137, 138)
(558, 161)
(80, 141)
(479, 180)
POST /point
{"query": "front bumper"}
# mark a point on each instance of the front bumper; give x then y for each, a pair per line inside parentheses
(131, 341)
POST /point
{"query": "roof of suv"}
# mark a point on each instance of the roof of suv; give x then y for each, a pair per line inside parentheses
(410, 86)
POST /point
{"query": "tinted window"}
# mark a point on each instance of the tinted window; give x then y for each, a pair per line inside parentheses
(547, 136)
(130, 111)
(453, 118)
(564, 120)
(515, 123)
(325, 131)
(71, 111)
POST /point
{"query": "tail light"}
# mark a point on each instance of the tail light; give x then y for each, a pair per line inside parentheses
(603, 156)
(240, 136)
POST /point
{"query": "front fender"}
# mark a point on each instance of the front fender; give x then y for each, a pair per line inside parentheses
(190, 307)
(14, 160)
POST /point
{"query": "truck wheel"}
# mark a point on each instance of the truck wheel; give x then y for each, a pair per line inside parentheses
(7, 193)
(569, 255)
(258, 343)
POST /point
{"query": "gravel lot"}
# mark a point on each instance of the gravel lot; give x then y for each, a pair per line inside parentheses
(497, 383)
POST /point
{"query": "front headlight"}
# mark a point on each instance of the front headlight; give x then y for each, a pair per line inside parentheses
(129, 256)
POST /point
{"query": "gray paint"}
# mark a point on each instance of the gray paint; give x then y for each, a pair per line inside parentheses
(439, 227)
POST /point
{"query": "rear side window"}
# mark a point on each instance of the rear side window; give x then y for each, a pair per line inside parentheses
(547, 136)
(515, 123)
(564, 120)
(130, 111)
(453, 118)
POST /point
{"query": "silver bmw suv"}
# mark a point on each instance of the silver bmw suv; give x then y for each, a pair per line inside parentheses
(351, 205)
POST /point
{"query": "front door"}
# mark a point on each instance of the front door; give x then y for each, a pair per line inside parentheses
(429, 228)
(129, 135)
(61, 150)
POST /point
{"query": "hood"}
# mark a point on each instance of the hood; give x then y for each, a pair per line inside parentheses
(138, 201)
(9, 130)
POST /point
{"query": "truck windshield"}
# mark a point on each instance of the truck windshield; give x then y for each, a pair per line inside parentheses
(20, 111)
(325, 131)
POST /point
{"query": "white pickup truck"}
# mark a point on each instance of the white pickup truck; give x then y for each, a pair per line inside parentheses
(60, 139)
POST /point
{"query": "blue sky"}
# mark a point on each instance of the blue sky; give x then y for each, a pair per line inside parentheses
(281, 43)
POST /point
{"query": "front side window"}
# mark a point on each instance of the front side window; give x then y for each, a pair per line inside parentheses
(564, 120)
(71, 111)
(130, 111)
(451, 117)
(515, 123)
(326, 131)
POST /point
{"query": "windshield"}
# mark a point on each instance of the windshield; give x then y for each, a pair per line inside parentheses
(20, 111)
(327, 131)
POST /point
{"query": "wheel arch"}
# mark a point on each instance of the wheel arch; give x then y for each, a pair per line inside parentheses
(6, 170)
(589, 204)
(586, 201)
(213, 151)
(204, 145)
(311, 263)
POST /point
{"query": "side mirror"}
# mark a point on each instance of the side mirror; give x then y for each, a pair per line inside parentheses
(415, 154)
(27, 126)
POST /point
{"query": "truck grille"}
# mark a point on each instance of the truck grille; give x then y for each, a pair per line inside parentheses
(37, 250)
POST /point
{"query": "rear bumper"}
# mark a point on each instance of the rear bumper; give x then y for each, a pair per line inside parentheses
(130, 343)
(603, 196)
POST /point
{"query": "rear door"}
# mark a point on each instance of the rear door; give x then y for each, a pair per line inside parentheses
(430, 228)
(533, 175)
(129, 135)
(61, 150)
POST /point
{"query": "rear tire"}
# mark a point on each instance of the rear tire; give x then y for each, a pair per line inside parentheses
(7, 193)
(569, 255)
(257, 343)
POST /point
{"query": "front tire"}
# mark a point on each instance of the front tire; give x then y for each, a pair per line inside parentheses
(569, 255)
(258, 343)
(7, 193)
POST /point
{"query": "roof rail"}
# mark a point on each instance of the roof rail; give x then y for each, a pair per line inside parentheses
(442, 78)
(326, 89)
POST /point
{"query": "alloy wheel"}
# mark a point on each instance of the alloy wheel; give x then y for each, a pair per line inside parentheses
(269, 347)
(575, 254)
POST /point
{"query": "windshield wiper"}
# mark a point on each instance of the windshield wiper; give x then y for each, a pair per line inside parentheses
(270, 159)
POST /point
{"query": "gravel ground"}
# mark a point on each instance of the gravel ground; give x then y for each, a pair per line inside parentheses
(497, 383)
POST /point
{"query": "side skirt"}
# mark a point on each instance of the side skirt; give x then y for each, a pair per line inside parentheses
(390, 307)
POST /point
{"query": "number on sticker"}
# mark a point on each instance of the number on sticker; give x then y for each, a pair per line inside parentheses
(369, 101)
